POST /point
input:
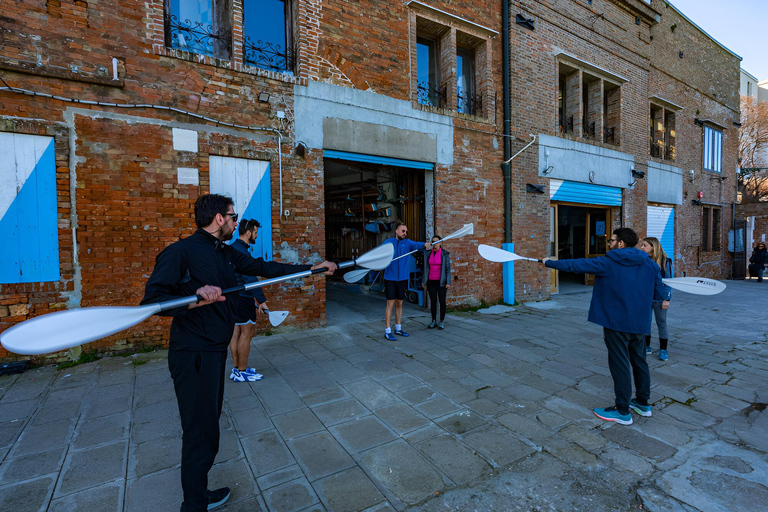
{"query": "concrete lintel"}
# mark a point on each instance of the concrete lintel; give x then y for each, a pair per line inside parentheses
(379, 140)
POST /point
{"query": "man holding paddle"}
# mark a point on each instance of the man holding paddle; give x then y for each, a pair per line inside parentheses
(203, 264)
(626, 283)
(396, 277)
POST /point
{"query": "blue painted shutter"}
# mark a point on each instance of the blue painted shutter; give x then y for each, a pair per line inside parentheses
(247, 183)
(661, 224)
(585, 193)
(28, 216)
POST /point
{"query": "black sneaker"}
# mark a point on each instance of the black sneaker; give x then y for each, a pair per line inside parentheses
(218, 497)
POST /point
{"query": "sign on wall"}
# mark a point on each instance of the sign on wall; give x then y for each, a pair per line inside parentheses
(247, 183)
(28, 217)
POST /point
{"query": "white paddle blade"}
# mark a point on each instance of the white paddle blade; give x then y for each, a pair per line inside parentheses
(66, 329)
(355, 275)
(497, 255)
(277, 317)
(695, 285)
(468, 229)
(377, 258)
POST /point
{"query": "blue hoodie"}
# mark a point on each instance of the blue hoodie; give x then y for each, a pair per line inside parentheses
(398, 270)
(626, 283)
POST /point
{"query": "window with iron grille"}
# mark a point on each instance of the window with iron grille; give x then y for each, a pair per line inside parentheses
(199, 26)
(466, 99)
(268, 35)
(427, 73)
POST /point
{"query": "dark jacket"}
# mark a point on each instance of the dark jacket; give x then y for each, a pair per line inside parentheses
(256, 293)
(759, 257)
(626, 283)
(667, 272)
(398, 270)
(196, 261)
(445, 267)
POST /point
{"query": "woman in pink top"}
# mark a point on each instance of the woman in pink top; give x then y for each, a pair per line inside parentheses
(436, 278)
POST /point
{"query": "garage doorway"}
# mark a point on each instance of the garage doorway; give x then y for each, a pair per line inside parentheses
(580, 232)
(363, 201)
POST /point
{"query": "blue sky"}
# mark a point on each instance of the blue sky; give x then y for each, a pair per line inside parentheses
(736, 24)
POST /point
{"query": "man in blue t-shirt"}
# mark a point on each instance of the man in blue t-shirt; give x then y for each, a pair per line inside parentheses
(396, 277)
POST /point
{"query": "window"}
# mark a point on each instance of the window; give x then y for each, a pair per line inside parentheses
(28, 209)
(662, 132)
(710, 229)
(199, 26)
(713, 149)
(267, 29)
(612, 113)
(466, 100)
(429, 90)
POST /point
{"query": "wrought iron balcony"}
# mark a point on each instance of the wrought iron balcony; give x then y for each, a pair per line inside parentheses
(194, 36)
(609, 135)
(589, 129)
(469, 103)
(428, 94)
(266, 55)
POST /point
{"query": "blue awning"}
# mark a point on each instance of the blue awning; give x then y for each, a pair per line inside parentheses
(373, 159)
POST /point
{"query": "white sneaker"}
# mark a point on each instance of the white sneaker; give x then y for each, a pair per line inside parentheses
(254, 373)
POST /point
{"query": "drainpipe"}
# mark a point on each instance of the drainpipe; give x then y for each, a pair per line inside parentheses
(506, 167)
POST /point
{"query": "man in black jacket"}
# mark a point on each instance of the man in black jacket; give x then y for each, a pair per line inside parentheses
(203, 264)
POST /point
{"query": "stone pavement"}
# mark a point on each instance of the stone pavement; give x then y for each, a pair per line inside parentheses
(493, 413)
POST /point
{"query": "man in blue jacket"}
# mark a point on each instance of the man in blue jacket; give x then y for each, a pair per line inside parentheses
(626, 283)
(396, 277)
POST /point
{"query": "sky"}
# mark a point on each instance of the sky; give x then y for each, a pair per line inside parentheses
(739, 25)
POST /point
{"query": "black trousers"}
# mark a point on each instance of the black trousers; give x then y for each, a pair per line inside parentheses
(626, 359)
(198, 378)
(436, 292)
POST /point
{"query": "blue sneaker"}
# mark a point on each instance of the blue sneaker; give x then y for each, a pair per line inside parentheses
(648, 349)
(402, 333)
(612, 414)
(252, 372)
(642, 410)
(663, 355)
(390, 336)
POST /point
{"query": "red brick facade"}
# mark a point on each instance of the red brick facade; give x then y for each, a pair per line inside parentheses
(118, 191)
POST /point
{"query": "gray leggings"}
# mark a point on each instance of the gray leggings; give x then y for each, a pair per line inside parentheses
(661, 321)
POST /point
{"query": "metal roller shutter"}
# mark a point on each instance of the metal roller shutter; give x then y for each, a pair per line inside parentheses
(661, 224)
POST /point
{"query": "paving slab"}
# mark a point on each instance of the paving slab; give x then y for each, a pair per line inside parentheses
(291, 496)
(398, 468)
(42, 438)
(29, 496)
(338, 412)
(638, 442)
(460, 463)
(266, 452)
(154, 455)
(401, 418)
(297, 423)
(105, 498)
(80, 468)
(348, 491)
(498, 445)
(29, 467)
(320, 455)
(362, 434)
(158, 491)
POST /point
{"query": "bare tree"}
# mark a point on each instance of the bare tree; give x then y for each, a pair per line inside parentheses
(753, 151)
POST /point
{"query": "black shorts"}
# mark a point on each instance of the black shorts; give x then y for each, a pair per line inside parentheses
(395, 290)
(245, 310)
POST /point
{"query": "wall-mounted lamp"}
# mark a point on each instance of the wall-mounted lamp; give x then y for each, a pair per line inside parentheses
(534, 189)
(698, 122)
(637, 174)
(696, 202)
(263, 97)
(548, 170)
(692, 174)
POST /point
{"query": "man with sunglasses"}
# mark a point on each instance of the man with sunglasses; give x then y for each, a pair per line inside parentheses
(249, 304)
(203, 264)
(627, 281)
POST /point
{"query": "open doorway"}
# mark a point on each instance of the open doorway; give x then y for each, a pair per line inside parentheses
(363, 201)
(581, 231)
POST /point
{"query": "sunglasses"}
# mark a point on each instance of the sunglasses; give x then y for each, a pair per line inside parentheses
(233, 215)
